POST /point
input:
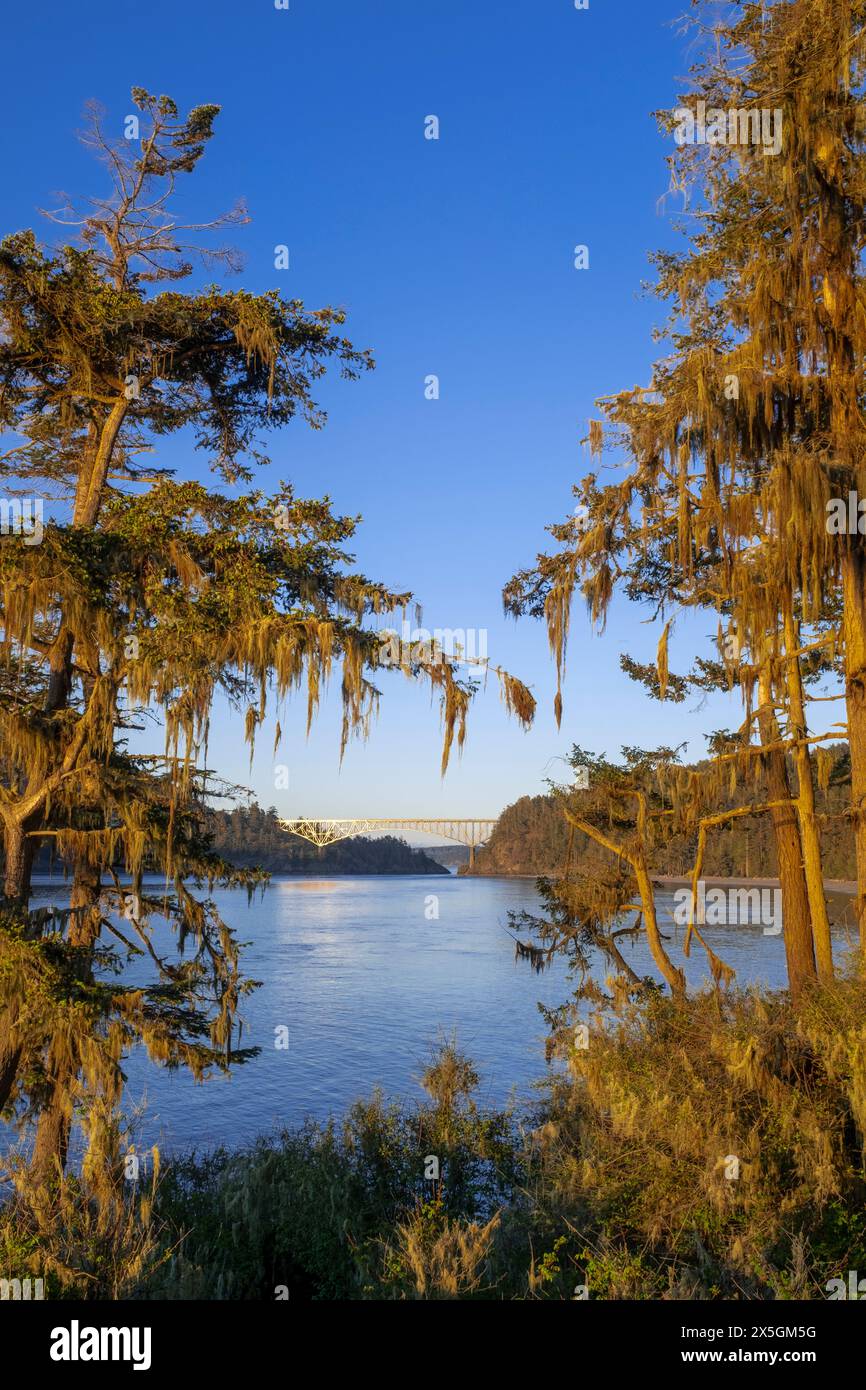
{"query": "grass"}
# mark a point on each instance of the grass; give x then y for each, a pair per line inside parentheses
(708, 1149)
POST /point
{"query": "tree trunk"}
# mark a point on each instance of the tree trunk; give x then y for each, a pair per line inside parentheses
(60, 671)
(809, 833)
(10, 1059)
(19, 845)
(675, 978)
(637, 862)
(19, 841)
(854, 628)
(18, 848)
(55, 1121)
(16, 893)
(797, 926)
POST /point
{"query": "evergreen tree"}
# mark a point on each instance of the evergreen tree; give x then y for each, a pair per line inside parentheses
(150, 595)
(751, 425)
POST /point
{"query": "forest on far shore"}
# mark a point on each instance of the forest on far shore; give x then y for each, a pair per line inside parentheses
(532, 835)
(251, 837)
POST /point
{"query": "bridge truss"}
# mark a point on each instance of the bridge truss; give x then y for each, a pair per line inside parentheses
(473, 833)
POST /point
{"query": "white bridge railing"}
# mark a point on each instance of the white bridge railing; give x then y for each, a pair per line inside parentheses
(472, 832)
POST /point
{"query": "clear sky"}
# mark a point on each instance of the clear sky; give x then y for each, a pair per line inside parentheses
(452, 257)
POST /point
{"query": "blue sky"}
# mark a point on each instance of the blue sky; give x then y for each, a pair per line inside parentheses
(451, 257)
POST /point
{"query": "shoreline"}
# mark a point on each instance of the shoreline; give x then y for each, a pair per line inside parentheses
(842, 886)
(845, 886)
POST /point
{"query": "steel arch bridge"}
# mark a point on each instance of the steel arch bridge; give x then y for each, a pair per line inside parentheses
(473, 832)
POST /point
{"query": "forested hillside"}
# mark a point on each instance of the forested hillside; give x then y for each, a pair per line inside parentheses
(249, 836)
(531, 837)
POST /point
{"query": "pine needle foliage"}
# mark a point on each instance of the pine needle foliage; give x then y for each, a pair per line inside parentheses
(750, 425)
(147, 599)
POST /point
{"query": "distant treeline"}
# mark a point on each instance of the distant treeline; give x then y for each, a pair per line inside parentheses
(531, 837)
(249, 836)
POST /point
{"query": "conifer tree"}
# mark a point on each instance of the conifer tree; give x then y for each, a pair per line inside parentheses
(752, 424)
(149, 596)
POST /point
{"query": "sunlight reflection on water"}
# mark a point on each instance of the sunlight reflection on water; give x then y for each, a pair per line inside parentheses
(365, 984)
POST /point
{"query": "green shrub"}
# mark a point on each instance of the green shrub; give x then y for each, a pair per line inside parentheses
(703, 1149)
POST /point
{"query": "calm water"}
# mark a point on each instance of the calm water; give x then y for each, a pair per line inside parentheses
(366, 984)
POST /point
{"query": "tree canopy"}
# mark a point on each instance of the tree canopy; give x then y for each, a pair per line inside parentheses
(749, 428)
(147, 598)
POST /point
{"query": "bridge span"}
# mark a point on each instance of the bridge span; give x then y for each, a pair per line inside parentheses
(472, 832)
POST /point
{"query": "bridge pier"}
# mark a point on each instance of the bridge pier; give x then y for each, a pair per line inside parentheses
(471, 858)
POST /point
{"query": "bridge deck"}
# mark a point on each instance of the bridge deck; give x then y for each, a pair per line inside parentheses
(472, 831)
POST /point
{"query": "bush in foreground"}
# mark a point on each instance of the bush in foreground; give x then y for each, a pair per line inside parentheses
(707, 1149)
